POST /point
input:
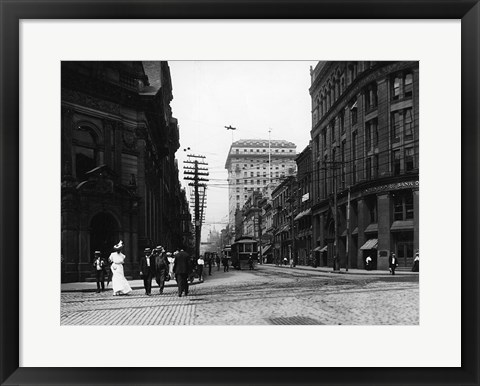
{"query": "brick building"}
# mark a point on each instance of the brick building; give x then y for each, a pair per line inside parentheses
(119, 174)
(365, 131)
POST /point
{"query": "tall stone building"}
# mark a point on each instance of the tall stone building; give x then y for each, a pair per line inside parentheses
(365, 132)
(249, 169)
(119, 174)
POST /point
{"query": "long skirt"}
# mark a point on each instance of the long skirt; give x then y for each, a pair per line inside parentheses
(119, 283)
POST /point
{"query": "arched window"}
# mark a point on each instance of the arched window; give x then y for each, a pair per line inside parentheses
(85, 151)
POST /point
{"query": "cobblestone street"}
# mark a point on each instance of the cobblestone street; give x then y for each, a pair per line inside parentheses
(268, 295)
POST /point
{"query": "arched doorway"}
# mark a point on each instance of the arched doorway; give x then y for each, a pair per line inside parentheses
(104, 233)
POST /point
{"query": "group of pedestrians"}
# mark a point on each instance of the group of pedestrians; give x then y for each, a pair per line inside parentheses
(113, 270)
(156, 264)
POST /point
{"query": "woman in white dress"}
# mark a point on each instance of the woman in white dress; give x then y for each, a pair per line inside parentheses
(171, 261)
(119, 283)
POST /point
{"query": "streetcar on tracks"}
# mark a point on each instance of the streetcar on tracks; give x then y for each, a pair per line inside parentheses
(242, 249)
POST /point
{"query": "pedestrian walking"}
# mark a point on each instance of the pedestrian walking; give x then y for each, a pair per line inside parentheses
(225, 264)
(161, 267)
(171, 260)
(217, 261)
(147, 270)
(392, 263)
(285, 260)
(416, 263)
(200, 265)
(368, 263)
(181, 269)
(250, 262)
(100, 267)
(209, 263)
(119, 283)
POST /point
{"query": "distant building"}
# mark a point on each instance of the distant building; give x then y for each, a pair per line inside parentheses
(249, 169)
(119, 176)
(365, 133)
(266, 226)
(303, 219)
(283, 202)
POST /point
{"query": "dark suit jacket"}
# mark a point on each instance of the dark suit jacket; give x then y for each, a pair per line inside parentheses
(390, 263)
(182, 263)
(103, 264)
(161, 262)
(144, 268)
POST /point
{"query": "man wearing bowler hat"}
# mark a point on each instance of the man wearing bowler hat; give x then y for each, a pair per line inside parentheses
(147, 270)
(99, 266)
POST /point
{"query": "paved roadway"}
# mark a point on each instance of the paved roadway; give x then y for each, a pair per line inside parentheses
(268, 295)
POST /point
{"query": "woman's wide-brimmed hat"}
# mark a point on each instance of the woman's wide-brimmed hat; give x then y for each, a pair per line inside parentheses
(119, 245)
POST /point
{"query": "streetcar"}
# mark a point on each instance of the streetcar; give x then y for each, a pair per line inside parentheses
(242, 249)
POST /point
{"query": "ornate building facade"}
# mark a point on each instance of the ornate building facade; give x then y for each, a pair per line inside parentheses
(365, 146)
(119, 174)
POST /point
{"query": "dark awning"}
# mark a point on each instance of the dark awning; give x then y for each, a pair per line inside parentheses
(302, 214)
(266, 249)
(402, 226)
(370, 244)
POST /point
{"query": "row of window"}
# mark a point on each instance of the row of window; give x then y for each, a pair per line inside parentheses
(252, 182)
(237, 151)
(401, 87)
(402, 161)
(402, 129)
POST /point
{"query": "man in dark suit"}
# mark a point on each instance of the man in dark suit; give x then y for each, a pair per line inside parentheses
(147, 270)
(100, 266)
(392, 263)
(181, 269)
(161, 267)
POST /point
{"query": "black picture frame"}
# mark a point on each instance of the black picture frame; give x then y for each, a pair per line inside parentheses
(12, 11)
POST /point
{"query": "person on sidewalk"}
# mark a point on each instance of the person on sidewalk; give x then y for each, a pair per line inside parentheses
(161, 267)
(147, 270)
(217, 261)
(171, 260)
(416, 263)
(100, 267)
(392, 263)
(200, 265)
(250, 262)
(225, 264)
(119, 282)
(368, 263)
(181, 269)
(209, 263)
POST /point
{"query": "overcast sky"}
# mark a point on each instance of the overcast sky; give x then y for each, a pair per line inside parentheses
(252, 96)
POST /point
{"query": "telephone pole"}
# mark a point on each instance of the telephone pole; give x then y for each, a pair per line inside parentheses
(196, 174)
(334, 165)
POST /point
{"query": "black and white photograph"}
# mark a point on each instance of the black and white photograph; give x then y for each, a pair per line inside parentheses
(236, 193)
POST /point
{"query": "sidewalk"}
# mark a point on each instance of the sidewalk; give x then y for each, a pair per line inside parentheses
(351, 271)
(91, 286)
(227, 277)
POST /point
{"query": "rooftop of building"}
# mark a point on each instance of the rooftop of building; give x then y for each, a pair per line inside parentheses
(263, 143)
(260, 143)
